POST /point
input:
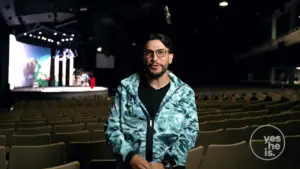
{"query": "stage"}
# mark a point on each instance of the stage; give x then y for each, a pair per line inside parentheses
(49, 93)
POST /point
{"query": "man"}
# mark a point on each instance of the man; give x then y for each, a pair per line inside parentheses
(153, 122)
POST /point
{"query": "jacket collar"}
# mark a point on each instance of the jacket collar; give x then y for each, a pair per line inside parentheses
(132, 84)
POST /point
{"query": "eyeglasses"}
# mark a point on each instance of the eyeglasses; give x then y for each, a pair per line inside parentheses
(160, 53)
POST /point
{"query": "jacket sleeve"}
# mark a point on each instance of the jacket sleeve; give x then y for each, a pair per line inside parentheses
(178, 153)
(113, 133)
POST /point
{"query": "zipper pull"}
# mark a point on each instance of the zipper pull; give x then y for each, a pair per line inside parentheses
(150, 123)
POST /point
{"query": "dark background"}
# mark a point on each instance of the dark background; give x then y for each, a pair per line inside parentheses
(207, 38)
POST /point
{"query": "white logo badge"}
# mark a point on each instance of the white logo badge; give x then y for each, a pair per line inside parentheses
(274, 144)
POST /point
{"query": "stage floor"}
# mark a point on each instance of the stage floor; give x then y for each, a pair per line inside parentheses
(51, 93)
(60, 89)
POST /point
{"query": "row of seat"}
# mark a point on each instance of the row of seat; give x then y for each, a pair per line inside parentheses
(63, 134)
(42, 123)
(241, 156)
(288, 115)
(56, 154)
(233, 135)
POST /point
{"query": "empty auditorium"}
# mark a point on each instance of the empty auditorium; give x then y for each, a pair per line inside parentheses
(149, 84)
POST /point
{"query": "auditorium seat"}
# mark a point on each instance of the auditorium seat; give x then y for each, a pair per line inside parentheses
(251, 161)
(2, 121)
(2, 140)
(195, 158)
(236, 123)
(255, 113)
(94, 126)
(230, 115)
(214, 117)
(2, 157)
(215, 125)
(86, 151)
(290, 127)
(36, 157)
(235, 135)
(34, 131)
(206, 138)
(71, 165)
(290, 156)
(203, 126)
(71, 136)
(60, 122)
(224, 156)
(31, 140)
(105, 164)
(51, 119)
(85, 120)
(7, 125)
(98, 135)
(32, 119)
(8, 135)
(292, 115)
(250, 121)
(68, 128)
(31, 124)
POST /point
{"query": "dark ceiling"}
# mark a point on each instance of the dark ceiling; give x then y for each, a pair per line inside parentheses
(195, 24)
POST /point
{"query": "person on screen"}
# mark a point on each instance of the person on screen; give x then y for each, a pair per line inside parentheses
(153, 121)
(29, 73)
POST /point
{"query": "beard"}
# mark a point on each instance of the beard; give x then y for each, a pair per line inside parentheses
(156, 75)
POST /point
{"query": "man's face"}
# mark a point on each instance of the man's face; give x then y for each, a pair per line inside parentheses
(157, 58)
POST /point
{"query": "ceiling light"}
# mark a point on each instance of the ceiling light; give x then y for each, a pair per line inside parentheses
(298, 68)
(62, 40)
(67, 39)
(72, 35)
(99, 49)
(55, 33)
(83, 9)
(58, 42)
(40, 33)
(25, 34)
(30, 35)
(71, 39)
(223, 4)
(64, 34)
(39, 37)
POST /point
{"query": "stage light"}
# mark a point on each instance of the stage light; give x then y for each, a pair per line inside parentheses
(168, 15)
(67, 39)
(298, 68)
(72, 35)
(39, 37)
(133, 44)
(62, 40)
(40, 33)
(71, 39)
(64, 34)
(223, 3)
(57, 43)
(30, 35)
(99, 49)
(55, 33)
(25, 34)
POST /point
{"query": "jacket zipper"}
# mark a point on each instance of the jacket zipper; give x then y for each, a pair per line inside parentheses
(149, 135)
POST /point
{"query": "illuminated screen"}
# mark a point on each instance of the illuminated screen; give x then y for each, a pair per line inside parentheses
(28, 64)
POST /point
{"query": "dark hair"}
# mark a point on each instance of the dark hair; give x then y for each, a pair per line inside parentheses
(164, 39)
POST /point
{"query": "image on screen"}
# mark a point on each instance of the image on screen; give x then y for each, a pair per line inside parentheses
(28, 64)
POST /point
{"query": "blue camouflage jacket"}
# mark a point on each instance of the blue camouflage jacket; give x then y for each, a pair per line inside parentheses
(175, 126)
